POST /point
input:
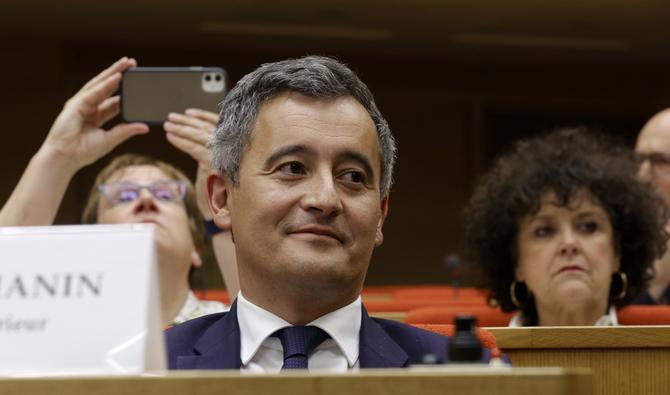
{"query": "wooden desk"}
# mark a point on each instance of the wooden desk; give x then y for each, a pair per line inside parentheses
(517, 381)
(624, 360)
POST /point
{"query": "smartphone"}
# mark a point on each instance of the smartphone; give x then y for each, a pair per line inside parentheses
(148, 94)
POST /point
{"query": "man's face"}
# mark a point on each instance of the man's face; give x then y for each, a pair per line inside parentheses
(653, 151)
(172, 231)
(307, 211)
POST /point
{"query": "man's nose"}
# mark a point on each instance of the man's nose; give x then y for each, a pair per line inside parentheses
(323, 196)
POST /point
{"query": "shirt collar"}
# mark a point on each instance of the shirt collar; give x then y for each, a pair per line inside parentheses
(256, 325)
(344, 327)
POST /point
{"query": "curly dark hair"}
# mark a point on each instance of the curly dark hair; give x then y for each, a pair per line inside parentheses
(565, 162)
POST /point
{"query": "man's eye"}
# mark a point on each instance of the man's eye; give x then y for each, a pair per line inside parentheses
(355, 177)
(659, 159)
(292, 168)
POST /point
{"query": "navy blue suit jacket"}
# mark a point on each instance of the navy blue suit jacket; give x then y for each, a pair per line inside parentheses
(213, 342)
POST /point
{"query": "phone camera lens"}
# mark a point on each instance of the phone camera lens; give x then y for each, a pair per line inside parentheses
(208, 77)
(218, 77)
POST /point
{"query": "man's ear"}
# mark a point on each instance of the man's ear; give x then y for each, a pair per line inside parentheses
(379, 237)
(218, 192)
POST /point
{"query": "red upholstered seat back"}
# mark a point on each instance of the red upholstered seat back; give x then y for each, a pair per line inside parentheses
(644, 315)
(220, 295)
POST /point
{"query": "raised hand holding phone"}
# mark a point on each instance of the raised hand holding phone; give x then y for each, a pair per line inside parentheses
(77, 135)
(76, 139)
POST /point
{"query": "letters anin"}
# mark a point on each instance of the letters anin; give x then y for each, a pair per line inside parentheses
(53, 285)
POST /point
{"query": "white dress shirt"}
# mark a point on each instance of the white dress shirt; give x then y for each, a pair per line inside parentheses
(260, 352)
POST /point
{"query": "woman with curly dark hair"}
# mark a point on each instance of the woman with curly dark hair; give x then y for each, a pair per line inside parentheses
(564, 230)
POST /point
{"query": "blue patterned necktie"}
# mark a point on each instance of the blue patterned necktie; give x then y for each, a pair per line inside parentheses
(298, 342)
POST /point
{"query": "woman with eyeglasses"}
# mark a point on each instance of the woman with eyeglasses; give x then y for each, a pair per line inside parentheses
(564, 230)
(131, 189)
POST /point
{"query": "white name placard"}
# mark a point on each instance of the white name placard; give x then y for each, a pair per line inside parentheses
(79, 300)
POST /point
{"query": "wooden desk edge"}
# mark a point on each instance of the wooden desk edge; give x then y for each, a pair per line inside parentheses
(583, 337)
(416, 371)
(510, 381)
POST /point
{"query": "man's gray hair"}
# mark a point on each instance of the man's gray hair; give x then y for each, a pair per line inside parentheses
(313, 76)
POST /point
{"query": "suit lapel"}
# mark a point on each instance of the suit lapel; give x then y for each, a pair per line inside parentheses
(377, 348)
(218, 347)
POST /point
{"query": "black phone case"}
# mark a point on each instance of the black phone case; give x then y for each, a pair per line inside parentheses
(148, 94)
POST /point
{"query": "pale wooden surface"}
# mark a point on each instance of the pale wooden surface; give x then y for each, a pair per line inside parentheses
(547, 381)
(624, 360)
(584, 337)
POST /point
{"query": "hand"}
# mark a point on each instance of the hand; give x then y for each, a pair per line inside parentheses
(190, 132)
(76, 136)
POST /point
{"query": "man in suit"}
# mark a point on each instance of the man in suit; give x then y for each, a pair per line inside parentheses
(305, 162)
(652, 152)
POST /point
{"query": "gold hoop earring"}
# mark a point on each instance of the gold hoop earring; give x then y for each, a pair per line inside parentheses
(624, 285)
(512, 294)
